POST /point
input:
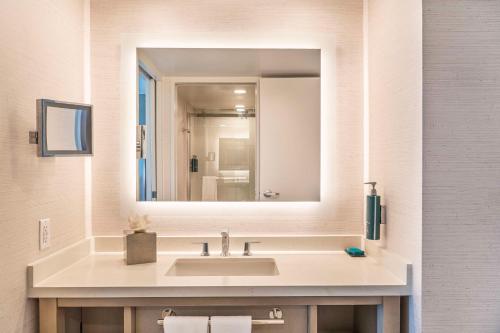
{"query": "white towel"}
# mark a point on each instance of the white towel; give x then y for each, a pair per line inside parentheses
(209, 188)
(185, 324)
(231, 324)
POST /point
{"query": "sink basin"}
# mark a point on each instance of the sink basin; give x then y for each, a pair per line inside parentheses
(223, 266)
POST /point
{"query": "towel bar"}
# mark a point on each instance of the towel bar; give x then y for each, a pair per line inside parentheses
(275, 315)
(254, 322)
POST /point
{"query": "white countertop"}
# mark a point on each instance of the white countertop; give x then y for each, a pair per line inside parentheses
(300, 274)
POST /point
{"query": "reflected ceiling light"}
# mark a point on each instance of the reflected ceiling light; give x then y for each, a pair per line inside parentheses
(239, 106)
(240, 109)
(240, 91)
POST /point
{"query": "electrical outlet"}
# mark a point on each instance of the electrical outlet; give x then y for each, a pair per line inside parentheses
(44, 229)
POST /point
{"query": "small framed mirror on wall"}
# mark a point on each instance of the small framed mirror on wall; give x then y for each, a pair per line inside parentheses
(63, 128)
(228, 124)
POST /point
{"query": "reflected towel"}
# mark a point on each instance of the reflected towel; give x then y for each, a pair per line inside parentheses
(209, 188)
(231, 324)
(185, 324)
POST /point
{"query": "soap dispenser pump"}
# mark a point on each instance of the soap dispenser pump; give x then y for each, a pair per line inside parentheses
(373, 213)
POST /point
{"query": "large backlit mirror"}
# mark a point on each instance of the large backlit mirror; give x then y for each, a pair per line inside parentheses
(228, 124)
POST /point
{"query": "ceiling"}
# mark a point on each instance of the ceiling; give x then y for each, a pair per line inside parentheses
(234, 62)
(216, 97)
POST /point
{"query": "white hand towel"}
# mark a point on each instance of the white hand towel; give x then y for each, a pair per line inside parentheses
(231, 324)
(185, 324)
(209, 188)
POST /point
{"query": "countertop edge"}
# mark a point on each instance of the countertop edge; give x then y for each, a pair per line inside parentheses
(214, 291)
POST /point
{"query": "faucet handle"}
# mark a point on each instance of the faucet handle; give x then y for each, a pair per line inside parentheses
(246, 250)
(204, 248)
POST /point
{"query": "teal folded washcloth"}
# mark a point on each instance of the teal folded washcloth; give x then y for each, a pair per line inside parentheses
(355, 252)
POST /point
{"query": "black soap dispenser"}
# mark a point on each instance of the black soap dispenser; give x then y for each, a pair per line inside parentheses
(373, 213)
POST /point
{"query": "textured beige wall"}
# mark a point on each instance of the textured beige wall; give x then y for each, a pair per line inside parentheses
(339, 18)
(41, 56)
(395, 112)
(461, 172)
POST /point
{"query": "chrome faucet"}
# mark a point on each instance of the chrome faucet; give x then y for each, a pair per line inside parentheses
(225, 243)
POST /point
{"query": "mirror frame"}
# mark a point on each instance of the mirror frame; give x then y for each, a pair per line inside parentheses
(41, 121)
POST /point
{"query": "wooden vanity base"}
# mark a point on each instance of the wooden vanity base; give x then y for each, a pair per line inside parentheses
(52, 315)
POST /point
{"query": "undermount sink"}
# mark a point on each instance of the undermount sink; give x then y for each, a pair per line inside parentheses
(223, 266)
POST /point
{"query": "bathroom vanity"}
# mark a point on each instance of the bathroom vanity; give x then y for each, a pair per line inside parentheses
(317, 286)
(246, 135)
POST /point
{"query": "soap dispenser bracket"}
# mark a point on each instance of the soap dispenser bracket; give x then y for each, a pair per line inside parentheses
(383, 215)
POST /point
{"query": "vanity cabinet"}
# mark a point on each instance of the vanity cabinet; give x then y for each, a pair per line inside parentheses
(330, 293)
(360, 314)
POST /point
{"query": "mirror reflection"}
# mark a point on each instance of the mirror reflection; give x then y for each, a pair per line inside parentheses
(216, 133)
(228, 125)
(66, 129)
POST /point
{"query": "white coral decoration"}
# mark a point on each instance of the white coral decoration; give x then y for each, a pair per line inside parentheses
(138, 223)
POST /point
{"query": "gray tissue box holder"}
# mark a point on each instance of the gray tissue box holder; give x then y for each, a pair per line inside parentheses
(139, 247)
